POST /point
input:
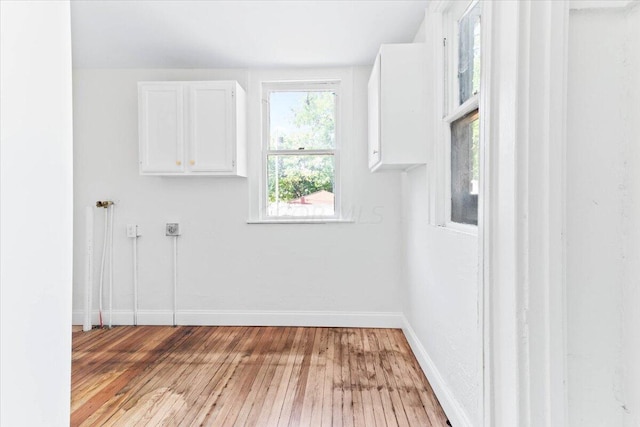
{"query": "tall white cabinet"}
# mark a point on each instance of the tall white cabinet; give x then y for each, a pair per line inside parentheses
(397, 95)
(192, 128)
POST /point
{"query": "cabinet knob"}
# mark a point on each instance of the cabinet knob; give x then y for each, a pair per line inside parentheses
(375, 151)
(178, 162)
(192, 162)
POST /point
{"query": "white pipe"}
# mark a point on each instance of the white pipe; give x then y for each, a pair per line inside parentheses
(175, 277)
(113, 211)
(135, 280)
(104, 253)
(88, 283)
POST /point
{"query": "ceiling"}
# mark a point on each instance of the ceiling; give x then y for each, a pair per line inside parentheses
(237, 34)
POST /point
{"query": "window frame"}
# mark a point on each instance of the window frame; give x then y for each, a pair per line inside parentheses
(268, 87)
(452, 109)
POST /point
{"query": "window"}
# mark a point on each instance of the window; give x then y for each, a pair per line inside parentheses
(464, 119)
(469, 54)
(300, 150)
(465, 139)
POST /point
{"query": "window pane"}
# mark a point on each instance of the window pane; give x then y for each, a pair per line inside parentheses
(469, 53)
(300, 185)
(465, 176)
(302, 120)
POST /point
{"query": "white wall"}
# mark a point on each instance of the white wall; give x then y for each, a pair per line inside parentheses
(225, 263)
(440, 300)
(631, 288)
(36, 213)
(603, 250)
(440, 296)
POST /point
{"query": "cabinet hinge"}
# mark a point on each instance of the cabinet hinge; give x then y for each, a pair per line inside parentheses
(233, 163)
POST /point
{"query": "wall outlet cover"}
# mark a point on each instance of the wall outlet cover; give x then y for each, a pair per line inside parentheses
(173, 229)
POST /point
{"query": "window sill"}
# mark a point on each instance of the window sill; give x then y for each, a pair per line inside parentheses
(470, 230)
(302, 221)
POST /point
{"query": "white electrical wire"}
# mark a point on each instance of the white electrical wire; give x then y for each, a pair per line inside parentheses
(104, 253)
(88, 288)
(175, 277)
(112, 207)
(135, 279)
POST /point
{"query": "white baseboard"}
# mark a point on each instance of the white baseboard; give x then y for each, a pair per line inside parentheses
(251, 318)
(456, 414)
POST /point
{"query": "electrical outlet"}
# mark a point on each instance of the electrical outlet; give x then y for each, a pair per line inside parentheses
(173, 229)
(133, 230)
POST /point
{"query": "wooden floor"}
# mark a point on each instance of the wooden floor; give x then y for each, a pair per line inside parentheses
(241, 376)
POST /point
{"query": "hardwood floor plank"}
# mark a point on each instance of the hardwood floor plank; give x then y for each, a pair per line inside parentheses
(99, 399)
(151, 388)
(363, 383)
(173, 385)
(205, 367)
(119, 342)
(336, 382)
(327, 392)
(99, 366)
(248, 376)
(356, 386)
(261, 409)
(390, 380)
(226, 384)
(410, 400)
(218, 377)
(281, 412)
(119, 400)
(313, 391)
(373, 360)
(228, 413)
(260, 385)
(373, 385)
(427, 396)
(347, 386)
(303, 379)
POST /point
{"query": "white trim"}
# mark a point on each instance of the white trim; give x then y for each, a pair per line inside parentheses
(452, 408)
(470, 105)
(289, 220)
(447, 102)
(269, 87)
(437, 182)
(484, 210)
(524, 309)
(255, 318)
(460, 227)
(599, 4)
(344, 135)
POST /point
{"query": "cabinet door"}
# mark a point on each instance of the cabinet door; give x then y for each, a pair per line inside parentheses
(211, 127)
(374, 115)
(161, 128)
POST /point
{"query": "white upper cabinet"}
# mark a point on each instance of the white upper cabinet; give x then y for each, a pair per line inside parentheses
(374, 115)
(192, 128)
(398, 108)
(161, 119)
(211, 147)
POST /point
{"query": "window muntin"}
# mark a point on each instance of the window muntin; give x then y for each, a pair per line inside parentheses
(300, 151)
